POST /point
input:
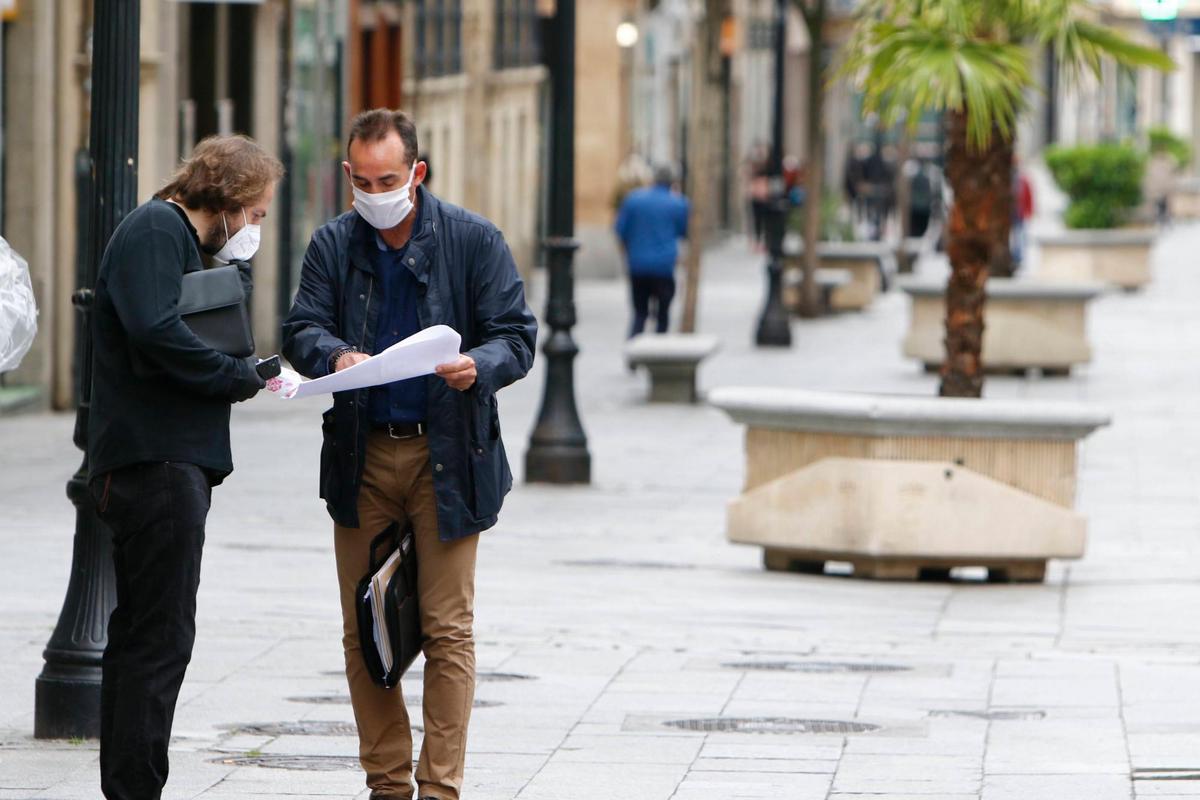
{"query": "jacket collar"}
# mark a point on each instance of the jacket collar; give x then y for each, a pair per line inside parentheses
(421, 245)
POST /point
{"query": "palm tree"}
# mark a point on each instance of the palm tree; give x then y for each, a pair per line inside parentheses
(974, 60)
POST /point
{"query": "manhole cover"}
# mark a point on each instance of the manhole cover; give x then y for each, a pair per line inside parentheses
(304, 728)
(991, 716)
(617, 563)
(1167, 774)
(309, 763)
(814, 666)
(502, 677)
(770, 725)
(344, 700)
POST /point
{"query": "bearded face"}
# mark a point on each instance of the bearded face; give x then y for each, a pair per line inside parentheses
(213, 239)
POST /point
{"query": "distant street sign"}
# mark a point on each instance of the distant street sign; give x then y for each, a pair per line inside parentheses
(1159, 9)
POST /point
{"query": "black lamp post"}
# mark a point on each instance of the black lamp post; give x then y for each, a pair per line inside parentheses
(773, 325)
(67, 701)
(558, 446)
(774, 328)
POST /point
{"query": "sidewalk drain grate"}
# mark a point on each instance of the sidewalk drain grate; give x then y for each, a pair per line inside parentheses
(784, 725)
(302, 728)
(344, 700)
(1167, 774)
(991, 716)
(619, 564)
(323, 699)
(502, 677)
(308, 763)
(814, 666)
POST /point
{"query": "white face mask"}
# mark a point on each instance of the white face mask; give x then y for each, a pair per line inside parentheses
(385, 210)
(242, 245)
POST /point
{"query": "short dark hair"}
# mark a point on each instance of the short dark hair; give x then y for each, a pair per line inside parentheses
(223, 173)
(375, 124)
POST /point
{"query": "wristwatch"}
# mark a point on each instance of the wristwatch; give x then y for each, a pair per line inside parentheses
(337, 353)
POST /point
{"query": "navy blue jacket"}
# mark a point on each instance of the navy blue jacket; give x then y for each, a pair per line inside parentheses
(468, 281)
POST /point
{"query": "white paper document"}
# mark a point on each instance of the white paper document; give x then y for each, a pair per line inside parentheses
(417, 355)
(376, 595)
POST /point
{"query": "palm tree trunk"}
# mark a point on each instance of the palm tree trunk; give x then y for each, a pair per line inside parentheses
(979, 179)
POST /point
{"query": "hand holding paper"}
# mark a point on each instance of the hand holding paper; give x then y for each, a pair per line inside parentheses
(419, 354)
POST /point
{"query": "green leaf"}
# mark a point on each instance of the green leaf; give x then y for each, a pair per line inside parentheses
(910, 56)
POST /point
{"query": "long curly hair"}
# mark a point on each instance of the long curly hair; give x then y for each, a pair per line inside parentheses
(223, 173)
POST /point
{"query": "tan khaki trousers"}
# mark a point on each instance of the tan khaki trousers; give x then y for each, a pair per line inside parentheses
(398, 486)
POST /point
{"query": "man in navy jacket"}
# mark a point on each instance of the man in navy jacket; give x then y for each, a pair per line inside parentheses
(426, 451)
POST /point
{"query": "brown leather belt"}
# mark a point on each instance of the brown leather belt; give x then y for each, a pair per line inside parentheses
(402, 430)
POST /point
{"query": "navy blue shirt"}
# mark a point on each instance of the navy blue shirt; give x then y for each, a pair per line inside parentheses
(401, 401)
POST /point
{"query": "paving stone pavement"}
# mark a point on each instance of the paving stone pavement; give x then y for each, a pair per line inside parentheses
(627, 650)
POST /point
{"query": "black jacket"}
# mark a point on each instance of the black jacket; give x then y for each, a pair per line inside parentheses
(158, 392)
(468, 281)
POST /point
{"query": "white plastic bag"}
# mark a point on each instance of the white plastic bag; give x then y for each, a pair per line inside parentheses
(18, 309)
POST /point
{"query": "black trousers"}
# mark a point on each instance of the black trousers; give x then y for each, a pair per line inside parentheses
(758, 212)
(662, 290)
(157, 514)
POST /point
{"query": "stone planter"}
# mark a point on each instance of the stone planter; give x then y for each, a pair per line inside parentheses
(1029, 324)
(868, 263)
(1184, 200)
(899, 485)
(1120, 257)
(829, 281)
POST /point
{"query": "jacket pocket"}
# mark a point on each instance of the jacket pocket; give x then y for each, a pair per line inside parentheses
(329, 456)
(487, 458)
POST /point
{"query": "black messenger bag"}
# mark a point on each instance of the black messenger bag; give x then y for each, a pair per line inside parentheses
(389, 622)
(212, 303)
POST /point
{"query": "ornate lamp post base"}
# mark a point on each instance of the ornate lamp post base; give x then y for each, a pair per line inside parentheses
(67, 703)
(558, 446)
(558, 463)
(67, 693)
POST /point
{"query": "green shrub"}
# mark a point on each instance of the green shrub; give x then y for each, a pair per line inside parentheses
(1103, 182)
(1163, 141)
(833, 227)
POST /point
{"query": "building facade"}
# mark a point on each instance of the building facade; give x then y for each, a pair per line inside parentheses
(205, 68)
(290, 73)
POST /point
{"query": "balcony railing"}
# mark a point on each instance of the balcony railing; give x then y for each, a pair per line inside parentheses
(438, 38)
(517, 43)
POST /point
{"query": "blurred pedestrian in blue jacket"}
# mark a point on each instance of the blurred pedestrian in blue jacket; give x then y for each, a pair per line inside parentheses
(650, 223)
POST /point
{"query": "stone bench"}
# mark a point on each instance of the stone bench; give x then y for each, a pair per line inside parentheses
(672, 361)
(1120, 257)
(910, 252)
(901, 486)
(829, 282)
(1028, 324)
(869, 264)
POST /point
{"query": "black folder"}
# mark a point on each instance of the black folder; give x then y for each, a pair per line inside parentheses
(212, 302)
(389, 621)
